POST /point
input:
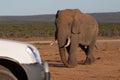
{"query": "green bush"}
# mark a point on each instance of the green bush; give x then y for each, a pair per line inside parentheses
(27, 29)
(47, 29)
(109, 29)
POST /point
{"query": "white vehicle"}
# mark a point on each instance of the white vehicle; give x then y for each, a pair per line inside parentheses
(21, 61)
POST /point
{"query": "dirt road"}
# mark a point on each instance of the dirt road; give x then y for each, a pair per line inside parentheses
(106, 67)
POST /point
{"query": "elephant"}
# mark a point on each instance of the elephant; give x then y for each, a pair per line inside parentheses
(75, 29)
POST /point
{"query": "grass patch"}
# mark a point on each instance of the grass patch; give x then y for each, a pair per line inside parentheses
(109, 30)
(47, 29)
(27, 29)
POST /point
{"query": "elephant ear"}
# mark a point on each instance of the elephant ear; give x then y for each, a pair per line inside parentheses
(57, 13)
(75, 25)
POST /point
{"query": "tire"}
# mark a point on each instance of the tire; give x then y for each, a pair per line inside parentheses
(5, 74)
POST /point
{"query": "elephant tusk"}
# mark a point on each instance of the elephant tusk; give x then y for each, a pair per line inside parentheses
(68, 42)
(53, 42)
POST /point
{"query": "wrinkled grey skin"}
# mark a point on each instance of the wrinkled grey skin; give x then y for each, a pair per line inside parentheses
(82, 30)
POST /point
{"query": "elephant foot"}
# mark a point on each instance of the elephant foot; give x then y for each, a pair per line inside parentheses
(71, 66)
(65, 64)
(68, 65)
(89, 60)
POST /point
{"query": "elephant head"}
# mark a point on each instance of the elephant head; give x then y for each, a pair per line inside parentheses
(64, 22)
(71, 29)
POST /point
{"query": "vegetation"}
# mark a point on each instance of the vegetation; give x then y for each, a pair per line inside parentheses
(47, 29)
(109, 30)
(27, 29)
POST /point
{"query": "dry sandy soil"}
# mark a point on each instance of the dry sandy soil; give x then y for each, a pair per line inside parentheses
(106, 66)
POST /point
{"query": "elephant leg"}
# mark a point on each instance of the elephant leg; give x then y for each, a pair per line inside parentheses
(89, 57)
(89, 54)
(72, 61)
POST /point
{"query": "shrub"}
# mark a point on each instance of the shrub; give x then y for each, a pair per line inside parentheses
(109, 29)
(47, 29)
(27, 29)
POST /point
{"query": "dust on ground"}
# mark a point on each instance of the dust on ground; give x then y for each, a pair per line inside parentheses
(106, 66)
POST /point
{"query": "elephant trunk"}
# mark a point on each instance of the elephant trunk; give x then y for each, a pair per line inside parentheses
(70, 59)
(63, 56)
(63, 43)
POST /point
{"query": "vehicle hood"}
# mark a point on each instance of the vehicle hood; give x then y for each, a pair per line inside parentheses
(15, 50)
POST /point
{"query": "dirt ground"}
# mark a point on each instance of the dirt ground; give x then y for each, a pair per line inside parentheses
(106, 66)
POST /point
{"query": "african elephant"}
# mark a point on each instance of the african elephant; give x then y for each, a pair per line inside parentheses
(75, 29)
